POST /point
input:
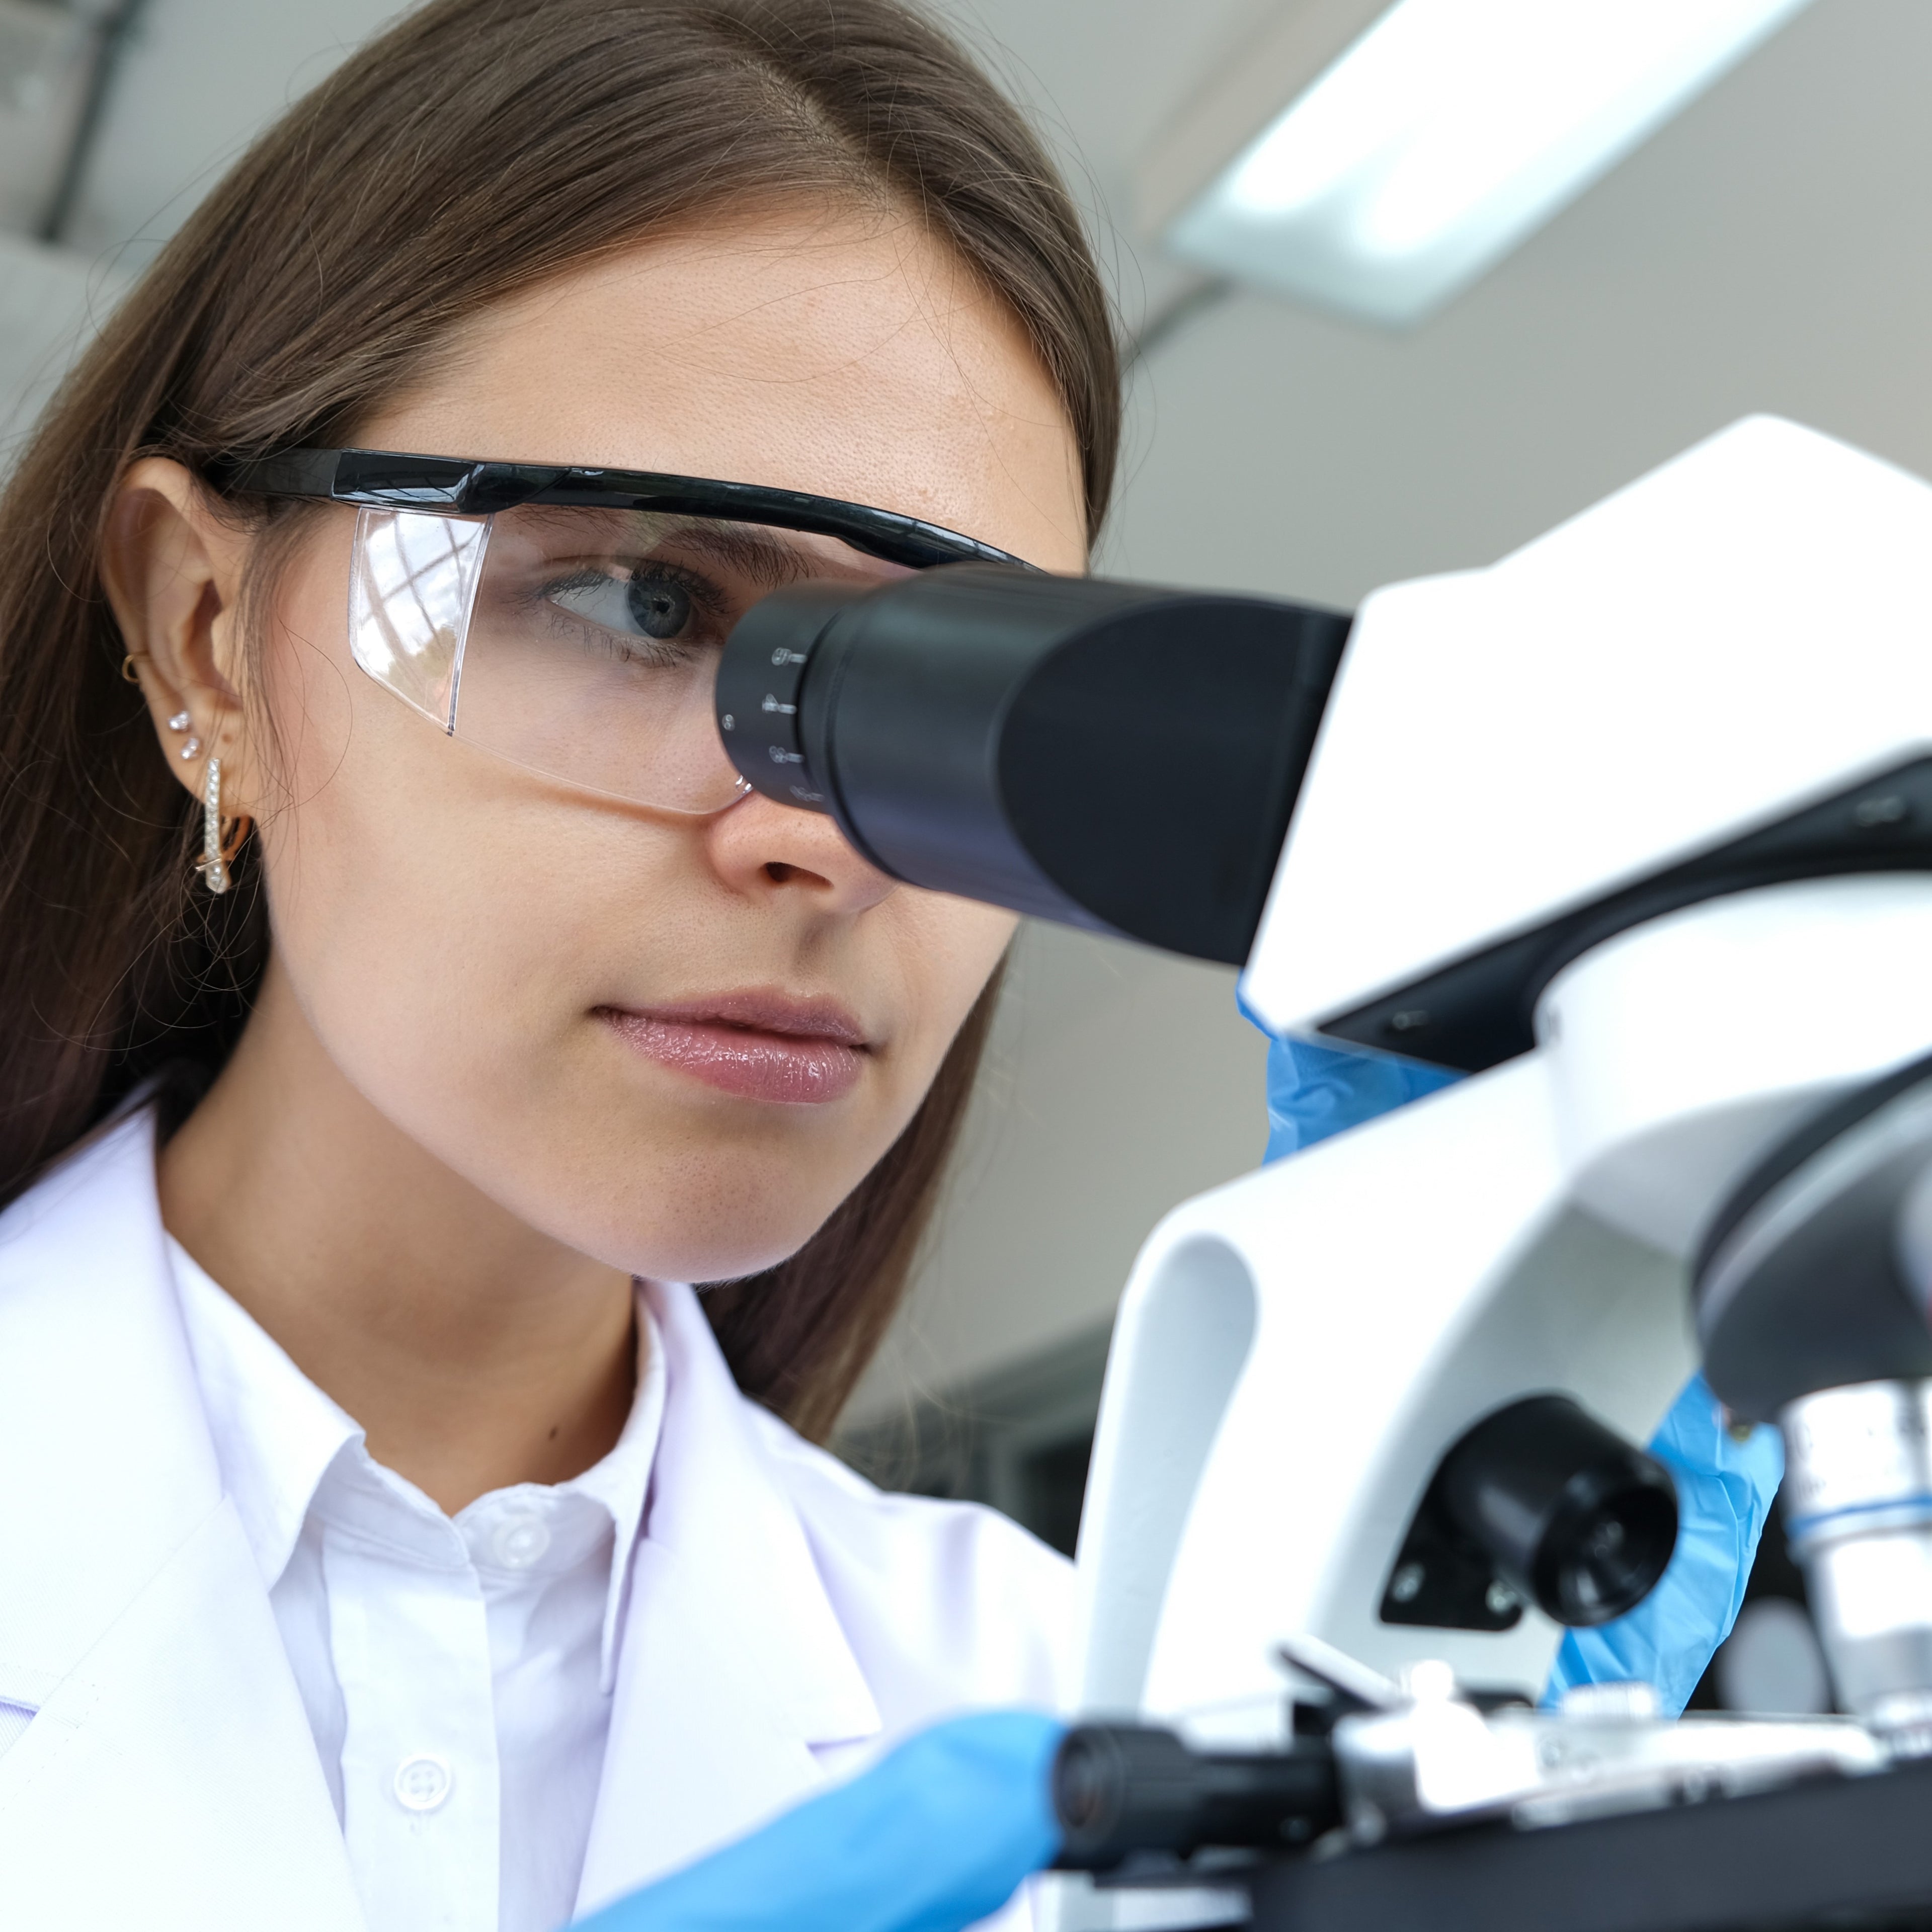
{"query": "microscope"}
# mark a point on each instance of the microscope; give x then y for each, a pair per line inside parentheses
(1633, 828)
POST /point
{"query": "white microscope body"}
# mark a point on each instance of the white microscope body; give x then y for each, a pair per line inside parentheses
(1564, 826)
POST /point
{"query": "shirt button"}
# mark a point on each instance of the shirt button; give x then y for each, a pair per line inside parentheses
(521, 1540)
(422, 1782)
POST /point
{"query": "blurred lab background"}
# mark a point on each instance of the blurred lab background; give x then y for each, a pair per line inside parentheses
(1403, 286)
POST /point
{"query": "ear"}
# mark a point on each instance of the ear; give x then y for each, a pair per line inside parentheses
(172, 568)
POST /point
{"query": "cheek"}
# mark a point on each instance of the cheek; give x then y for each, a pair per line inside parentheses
(947, 948)
(428, 911)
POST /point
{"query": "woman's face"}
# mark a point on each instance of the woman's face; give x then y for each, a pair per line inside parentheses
(672, 1042)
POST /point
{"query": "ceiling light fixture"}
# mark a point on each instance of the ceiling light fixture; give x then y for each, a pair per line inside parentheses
(1414, 155)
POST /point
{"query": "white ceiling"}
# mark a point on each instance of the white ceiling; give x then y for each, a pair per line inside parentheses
(1768, 250)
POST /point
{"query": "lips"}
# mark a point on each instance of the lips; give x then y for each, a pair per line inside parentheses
(759, 1046)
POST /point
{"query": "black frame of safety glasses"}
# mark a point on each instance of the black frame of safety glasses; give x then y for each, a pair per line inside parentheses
(380, 479)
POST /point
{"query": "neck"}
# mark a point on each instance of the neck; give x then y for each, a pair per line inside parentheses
(475, 1350)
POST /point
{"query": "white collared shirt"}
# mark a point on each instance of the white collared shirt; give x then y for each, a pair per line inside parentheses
(456, 1672)
(784, 1621)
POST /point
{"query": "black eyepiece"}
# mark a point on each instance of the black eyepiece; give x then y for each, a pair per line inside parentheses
(1108, 755)
(1574, 1518)
(1119, 1788)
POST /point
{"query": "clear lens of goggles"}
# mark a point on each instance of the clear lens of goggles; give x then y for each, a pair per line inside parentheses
(581, 644)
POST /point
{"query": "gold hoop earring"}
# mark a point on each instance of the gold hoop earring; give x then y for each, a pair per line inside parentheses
(217, 852)
(128, 663)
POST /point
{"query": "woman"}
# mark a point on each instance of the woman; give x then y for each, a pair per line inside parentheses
(400, 998)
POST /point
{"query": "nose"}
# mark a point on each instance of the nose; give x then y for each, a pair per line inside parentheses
(761, 848)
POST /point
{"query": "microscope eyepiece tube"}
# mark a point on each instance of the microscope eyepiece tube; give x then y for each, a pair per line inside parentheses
(1574, 1518)
(1108, 755)
(1119, 1788)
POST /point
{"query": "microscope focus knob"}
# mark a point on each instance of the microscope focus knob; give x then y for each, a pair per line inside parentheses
(1121, 1788)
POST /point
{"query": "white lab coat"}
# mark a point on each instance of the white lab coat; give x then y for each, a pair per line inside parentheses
(785, 1620)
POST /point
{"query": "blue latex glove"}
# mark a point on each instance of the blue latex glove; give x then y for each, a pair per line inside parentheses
(1724, 1491)
(1724, 1487)
(1314, 1091)
(933, 1838)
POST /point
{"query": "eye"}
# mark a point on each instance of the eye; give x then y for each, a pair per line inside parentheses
(659, 607)
(644, 604)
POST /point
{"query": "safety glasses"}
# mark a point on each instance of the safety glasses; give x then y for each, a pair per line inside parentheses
(570, 619)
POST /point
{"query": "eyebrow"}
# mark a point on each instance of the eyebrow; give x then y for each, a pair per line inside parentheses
(749, 549)
(742, 547)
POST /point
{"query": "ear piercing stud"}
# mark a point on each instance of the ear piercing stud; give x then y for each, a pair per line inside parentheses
(183, 720)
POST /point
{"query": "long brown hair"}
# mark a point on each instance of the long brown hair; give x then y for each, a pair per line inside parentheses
(478, 148)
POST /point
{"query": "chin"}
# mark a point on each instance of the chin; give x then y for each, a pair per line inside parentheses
(672, 1205)
(696, 1254)
(709, 1270)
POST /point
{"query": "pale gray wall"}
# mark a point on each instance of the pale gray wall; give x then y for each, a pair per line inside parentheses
(200, 78)
(50, 300)
(1118, 1082)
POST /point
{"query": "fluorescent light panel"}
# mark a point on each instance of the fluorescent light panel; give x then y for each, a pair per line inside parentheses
(1447, 133)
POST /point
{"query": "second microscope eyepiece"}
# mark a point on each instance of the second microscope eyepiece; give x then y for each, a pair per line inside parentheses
(1574, 1518)
(1110, 755)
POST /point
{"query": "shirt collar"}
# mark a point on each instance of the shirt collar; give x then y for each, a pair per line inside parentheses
(275, 1433)
(277, 1438)
(621, 1481)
